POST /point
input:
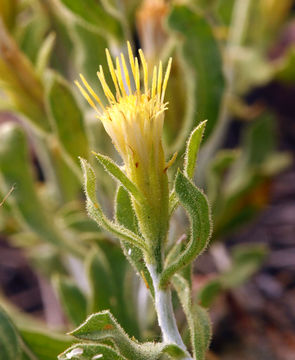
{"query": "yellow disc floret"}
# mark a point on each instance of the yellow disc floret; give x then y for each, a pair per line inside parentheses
(134, 116)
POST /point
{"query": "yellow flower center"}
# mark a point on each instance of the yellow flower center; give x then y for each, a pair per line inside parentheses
(134, 116)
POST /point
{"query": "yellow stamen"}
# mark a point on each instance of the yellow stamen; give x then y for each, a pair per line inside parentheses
(166, 79)
(159, 86)
(90, 90)
(137, 76)
(113, 73)
(86, 96)
(125, 70)
(120, 77)
(131, 59)
(145, 70)
(154, 81)
(105, 86)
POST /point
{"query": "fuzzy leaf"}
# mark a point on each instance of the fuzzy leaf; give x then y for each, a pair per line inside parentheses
(190, 160)
(202, 55)
(126, 217)
(92, 13)
(197, 318)
(95, 211)
(72, 299)
(90, 352)
(113, 169)
(10, 344)
(67, 118)
(192, 149)
(196, 205)
(102, 326)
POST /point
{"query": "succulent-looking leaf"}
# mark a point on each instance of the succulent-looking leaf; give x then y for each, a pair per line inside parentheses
(72, 299)
(95, 211)
(196, 205)
(10, 343)
(113, 169)
(125, 216)
(101, 326)
(202, 54)
(197, 318)
(90, 352)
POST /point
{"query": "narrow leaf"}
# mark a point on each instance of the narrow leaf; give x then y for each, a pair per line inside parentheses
(45, 345)
(196, 205)
(92, 13)
(44, 53)
(192, 149)
(67, 118)
(197, 318)
(72, 299)
(10, 344)
(126, 217)
(113, 169)
(95, 211)
(202, 54)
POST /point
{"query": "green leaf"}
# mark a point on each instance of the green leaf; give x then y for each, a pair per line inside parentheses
(92, 13)
(126, 217)
(16, 171)
(202, 55)
(197, 318)
(196, 205)
(113, 169)
(190, 160)
(103, 326)
(247, 259)
(95, 211)
(45, 345)
(90, 352)
(192, 149)
(72, 299)
(208, 293)
(218, 166)
(43, 57)
(10, 343)
(109, 277)
(67, 118)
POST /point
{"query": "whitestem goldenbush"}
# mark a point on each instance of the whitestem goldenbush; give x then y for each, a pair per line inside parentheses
(134, 121)
(133, 118)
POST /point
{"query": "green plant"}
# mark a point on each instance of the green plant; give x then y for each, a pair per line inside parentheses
(216, 61)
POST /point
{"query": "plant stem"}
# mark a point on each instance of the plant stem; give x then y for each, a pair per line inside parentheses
(165, 314)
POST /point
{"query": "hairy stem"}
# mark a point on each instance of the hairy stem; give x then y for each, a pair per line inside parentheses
(165, 314)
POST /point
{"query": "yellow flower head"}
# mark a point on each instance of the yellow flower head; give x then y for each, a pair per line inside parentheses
(134, 115)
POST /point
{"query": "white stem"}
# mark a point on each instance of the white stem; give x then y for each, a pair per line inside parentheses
(165, 313)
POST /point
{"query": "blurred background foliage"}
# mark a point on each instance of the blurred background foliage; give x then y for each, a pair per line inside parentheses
(222, 51)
